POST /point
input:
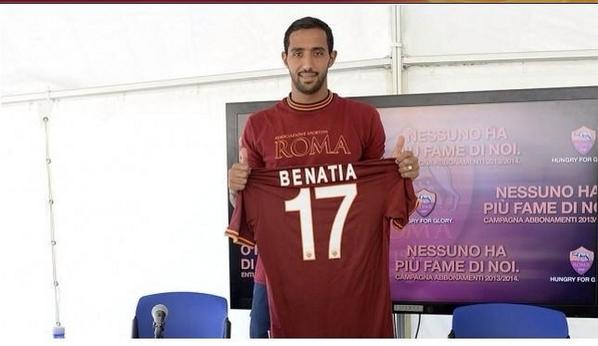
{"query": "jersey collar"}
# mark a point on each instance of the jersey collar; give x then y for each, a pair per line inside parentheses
(306, 107)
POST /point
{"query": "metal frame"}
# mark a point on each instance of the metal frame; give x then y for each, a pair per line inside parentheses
(383, 63)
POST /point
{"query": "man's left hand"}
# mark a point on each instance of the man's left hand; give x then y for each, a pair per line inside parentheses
(408, 163)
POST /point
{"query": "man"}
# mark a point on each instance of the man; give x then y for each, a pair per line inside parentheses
(311, 126)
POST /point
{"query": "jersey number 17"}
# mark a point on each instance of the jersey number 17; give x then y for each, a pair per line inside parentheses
(302, 204)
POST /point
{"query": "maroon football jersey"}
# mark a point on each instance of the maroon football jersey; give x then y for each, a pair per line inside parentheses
(323, 235)
(334, 130)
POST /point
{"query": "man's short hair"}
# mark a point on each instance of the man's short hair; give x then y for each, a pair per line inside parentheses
(309, 23)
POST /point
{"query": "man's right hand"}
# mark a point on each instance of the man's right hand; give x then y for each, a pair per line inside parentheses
(238, 173)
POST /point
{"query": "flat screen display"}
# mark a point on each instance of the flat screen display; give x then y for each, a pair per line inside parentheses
(508, 200)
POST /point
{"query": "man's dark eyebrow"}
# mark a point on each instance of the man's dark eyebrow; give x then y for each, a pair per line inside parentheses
(302, 49)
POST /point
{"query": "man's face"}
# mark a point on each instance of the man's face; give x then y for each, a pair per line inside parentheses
(308, 60)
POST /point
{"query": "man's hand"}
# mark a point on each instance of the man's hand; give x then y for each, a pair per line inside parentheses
(238, 173)
(408, 164)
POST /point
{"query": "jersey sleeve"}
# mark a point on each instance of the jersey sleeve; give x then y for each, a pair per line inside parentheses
(374, 148)
(401, 202)
(249, 142)
(239, 229)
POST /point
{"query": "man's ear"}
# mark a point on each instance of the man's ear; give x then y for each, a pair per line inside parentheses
(332, 58)
(284, 55)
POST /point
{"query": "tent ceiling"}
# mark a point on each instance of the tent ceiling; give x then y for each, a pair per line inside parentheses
(76, 46)
(73, 46)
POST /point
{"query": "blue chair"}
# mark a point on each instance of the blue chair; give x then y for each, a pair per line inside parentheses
(190, 315)
(508, 321)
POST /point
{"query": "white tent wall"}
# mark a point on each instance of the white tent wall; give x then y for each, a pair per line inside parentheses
(76, 46)
(26, 270)
(514, 75)
(139, 178)
(504, 47)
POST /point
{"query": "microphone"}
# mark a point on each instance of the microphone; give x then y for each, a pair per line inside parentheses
(159, 313)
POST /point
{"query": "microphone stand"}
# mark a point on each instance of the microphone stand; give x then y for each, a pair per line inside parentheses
(159, 313)
(158, 329)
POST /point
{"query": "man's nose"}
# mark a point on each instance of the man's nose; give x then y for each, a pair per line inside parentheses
(307, 62)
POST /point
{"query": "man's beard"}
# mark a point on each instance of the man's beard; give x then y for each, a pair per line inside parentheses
(311, 88)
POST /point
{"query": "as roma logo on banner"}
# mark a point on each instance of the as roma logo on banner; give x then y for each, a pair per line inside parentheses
(583, 139)
(581, 259)
(427, 202)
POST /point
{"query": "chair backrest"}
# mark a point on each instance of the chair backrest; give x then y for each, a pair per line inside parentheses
(508, 321)
(190, 315)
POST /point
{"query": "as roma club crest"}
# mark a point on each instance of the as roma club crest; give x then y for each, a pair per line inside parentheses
(427, 202)
(581, 259)
(583, 139)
